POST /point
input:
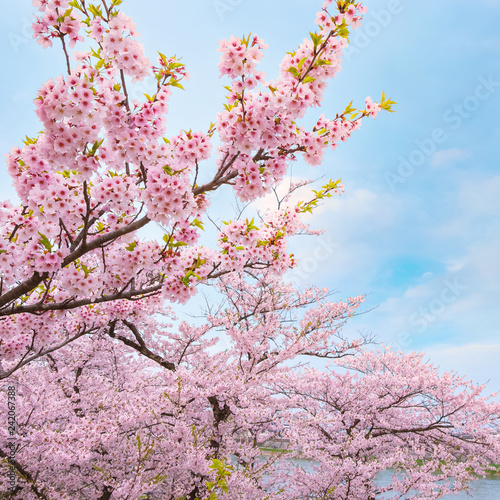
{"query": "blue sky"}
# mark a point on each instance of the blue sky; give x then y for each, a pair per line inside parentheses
(418, 229)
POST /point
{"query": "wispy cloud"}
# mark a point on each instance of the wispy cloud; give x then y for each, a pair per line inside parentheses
(448, 156)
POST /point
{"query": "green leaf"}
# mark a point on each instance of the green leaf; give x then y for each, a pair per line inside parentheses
(95, 147)
(386, 104)
(308, 79)
(293, 71)
(349, 109)
(344, 33)
(323, 62)
(158, 478)
(174, 65)
(246, 41)
(251, 226)
(198, 224)
(316, 39)
(175, 83)
(164, 58)
(29, 140)
(131, 246)
(45, 242)
(86, 270)
(301, 62)
(96, 11)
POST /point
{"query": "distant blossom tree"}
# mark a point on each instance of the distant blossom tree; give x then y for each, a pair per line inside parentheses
(98, 422)
(70, 257)
(113, 402)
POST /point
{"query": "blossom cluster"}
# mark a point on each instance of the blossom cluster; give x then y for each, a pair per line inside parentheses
(262, 116)
(162, 421)
(102, 168)
(119, 402)
(57, 21)
(351, 13)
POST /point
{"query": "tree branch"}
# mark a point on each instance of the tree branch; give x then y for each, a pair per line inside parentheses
(25, 475)
(141, 347)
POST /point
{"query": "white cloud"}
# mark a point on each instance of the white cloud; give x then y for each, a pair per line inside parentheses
(478, 361)
(455, 265)
(476, 211)
(481, 196)
(448, 156)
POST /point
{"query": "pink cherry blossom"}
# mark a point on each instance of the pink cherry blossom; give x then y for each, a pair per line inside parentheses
(118, 396)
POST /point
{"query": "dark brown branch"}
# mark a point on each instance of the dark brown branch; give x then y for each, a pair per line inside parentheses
(84, 248)
(68, 65)
(125, 93)
(215, 183)
(23, 288)
(106, 494)
(28, 359)
(141, 347)
(25, 475)
(67, 305)
(105, 238)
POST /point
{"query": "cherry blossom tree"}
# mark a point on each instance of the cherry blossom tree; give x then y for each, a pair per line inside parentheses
(116, 397)
(71, 259)
(100, 422)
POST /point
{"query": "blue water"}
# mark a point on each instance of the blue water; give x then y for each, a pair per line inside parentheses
(487, 488)
(482, 489)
